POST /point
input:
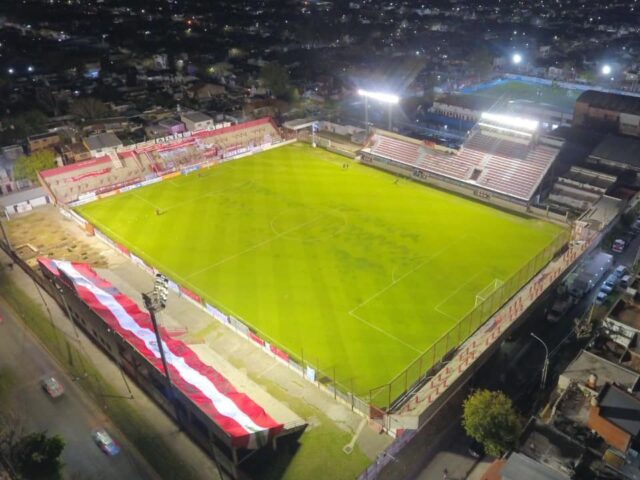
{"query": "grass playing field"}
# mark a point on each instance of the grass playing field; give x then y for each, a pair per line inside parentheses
(562, 98)
(349, 268)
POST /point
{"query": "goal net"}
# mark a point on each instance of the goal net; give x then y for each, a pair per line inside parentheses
(487, 291)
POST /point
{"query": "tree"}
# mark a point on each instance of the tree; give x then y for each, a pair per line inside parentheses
(89, 108)
(22, 125)
(489, 418)
(276, 78)
(37, 456)
(27, 167)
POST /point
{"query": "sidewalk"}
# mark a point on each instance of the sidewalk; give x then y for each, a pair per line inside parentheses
(196, 463)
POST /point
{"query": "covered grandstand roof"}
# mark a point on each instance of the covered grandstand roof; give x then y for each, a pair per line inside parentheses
(611, 101)
(242, 420)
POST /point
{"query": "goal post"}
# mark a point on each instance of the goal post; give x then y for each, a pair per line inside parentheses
(487, 291)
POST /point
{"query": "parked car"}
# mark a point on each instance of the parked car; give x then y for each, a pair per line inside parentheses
(621, 271)
(618, 245)
(52, 386)
(601, 297)
(105, 442)
(476, 450)
(624, 281)
(611, 280)
(606, 288)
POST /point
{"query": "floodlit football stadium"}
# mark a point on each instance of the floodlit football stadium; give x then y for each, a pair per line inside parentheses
(343, 267)
(363, 272)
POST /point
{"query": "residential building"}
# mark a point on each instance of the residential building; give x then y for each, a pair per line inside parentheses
(43, 141)
(102, 143)
(611, 112)
(195, 121)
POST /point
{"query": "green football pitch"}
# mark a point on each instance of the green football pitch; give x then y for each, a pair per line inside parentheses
(563, 98)
(351, 269)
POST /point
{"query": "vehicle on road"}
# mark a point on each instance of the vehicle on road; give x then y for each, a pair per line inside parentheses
(104, 441)
(561, 306)
(621, 271)
(476, 450)
(601, 297)
(589, 274)
(618, 245)
(606, 288)
(52, 387)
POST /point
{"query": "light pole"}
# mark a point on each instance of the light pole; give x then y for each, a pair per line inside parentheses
(387, 98)
(155, 301)
(545, 367)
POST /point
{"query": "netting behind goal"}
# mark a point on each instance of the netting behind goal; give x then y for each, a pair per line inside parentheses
(486, 292)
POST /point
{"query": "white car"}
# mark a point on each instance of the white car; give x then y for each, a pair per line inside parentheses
(53, 388)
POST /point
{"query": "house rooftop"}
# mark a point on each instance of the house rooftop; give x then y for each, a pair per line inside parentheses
(587, 364)
(551, 447)
(196, 117)
(618, 149)
(627, 313)
(519, 467)
(611, 101)
(102, 140)
(620, 408)
(22, 196)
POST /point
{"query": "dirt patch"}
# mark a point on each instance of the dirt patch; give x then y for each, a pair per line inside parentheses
(45, 232)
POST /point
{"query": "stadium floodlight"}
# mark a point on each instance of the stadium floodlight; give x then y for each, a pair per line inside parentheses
(516, 59)
(381, 97)
(387, 98)
(510, 121)
(606, 70)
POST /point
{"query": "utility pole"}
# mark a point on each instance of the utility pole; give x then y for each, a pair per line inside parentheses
(545, 367)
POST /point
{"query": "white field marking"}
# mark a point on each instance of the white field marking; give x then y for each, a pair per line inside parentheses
(140, 197)
(253, 247)
(352, 443)
(384, 332)
(343, 226)
(155, 260)
(210, 194)
(450, 317)
(446, 299)
(406, 274)
(267, 369)
(184, 282)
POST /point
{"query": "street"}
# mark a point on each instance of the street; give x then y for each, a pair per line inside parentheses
(73, 415)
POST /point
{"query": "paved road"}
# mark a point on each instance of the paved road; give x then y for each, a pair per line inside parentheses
(73, 415)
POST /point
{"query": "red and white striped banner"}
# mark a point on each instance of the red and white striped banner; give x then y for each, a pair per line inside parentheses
(247, 424)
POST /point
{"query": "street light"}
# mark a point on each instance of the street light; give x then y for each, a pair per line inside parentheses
(545, 367)
(516, 59)
(606, 70)
(381, 97)
(156, 301)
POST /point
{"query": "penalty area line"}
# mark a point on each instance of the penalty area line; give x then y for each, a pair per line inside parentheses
(384, 332)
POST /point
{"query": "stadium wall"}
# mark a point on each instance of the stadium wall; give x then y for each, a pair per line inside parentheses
(137, 183)
(477, 193)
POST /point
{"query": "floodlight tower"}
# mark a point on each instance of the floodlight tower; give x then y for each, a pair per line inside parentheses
(156, 301)
(387, 98)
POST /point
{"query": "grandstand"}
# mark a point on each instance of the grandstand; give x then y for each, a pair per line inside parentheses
(119, 168)
(501, 156)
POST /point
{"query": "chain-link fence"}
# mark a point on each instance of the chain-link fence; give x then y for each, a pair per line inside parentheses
(384, 396)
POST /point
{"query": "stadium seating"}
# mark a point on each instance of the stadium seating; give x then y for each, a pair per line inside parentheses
(496, 163)
(139, 162)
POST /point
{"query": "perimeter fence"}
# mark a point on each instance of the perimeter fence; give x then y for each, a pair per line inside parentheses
(384, 396)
